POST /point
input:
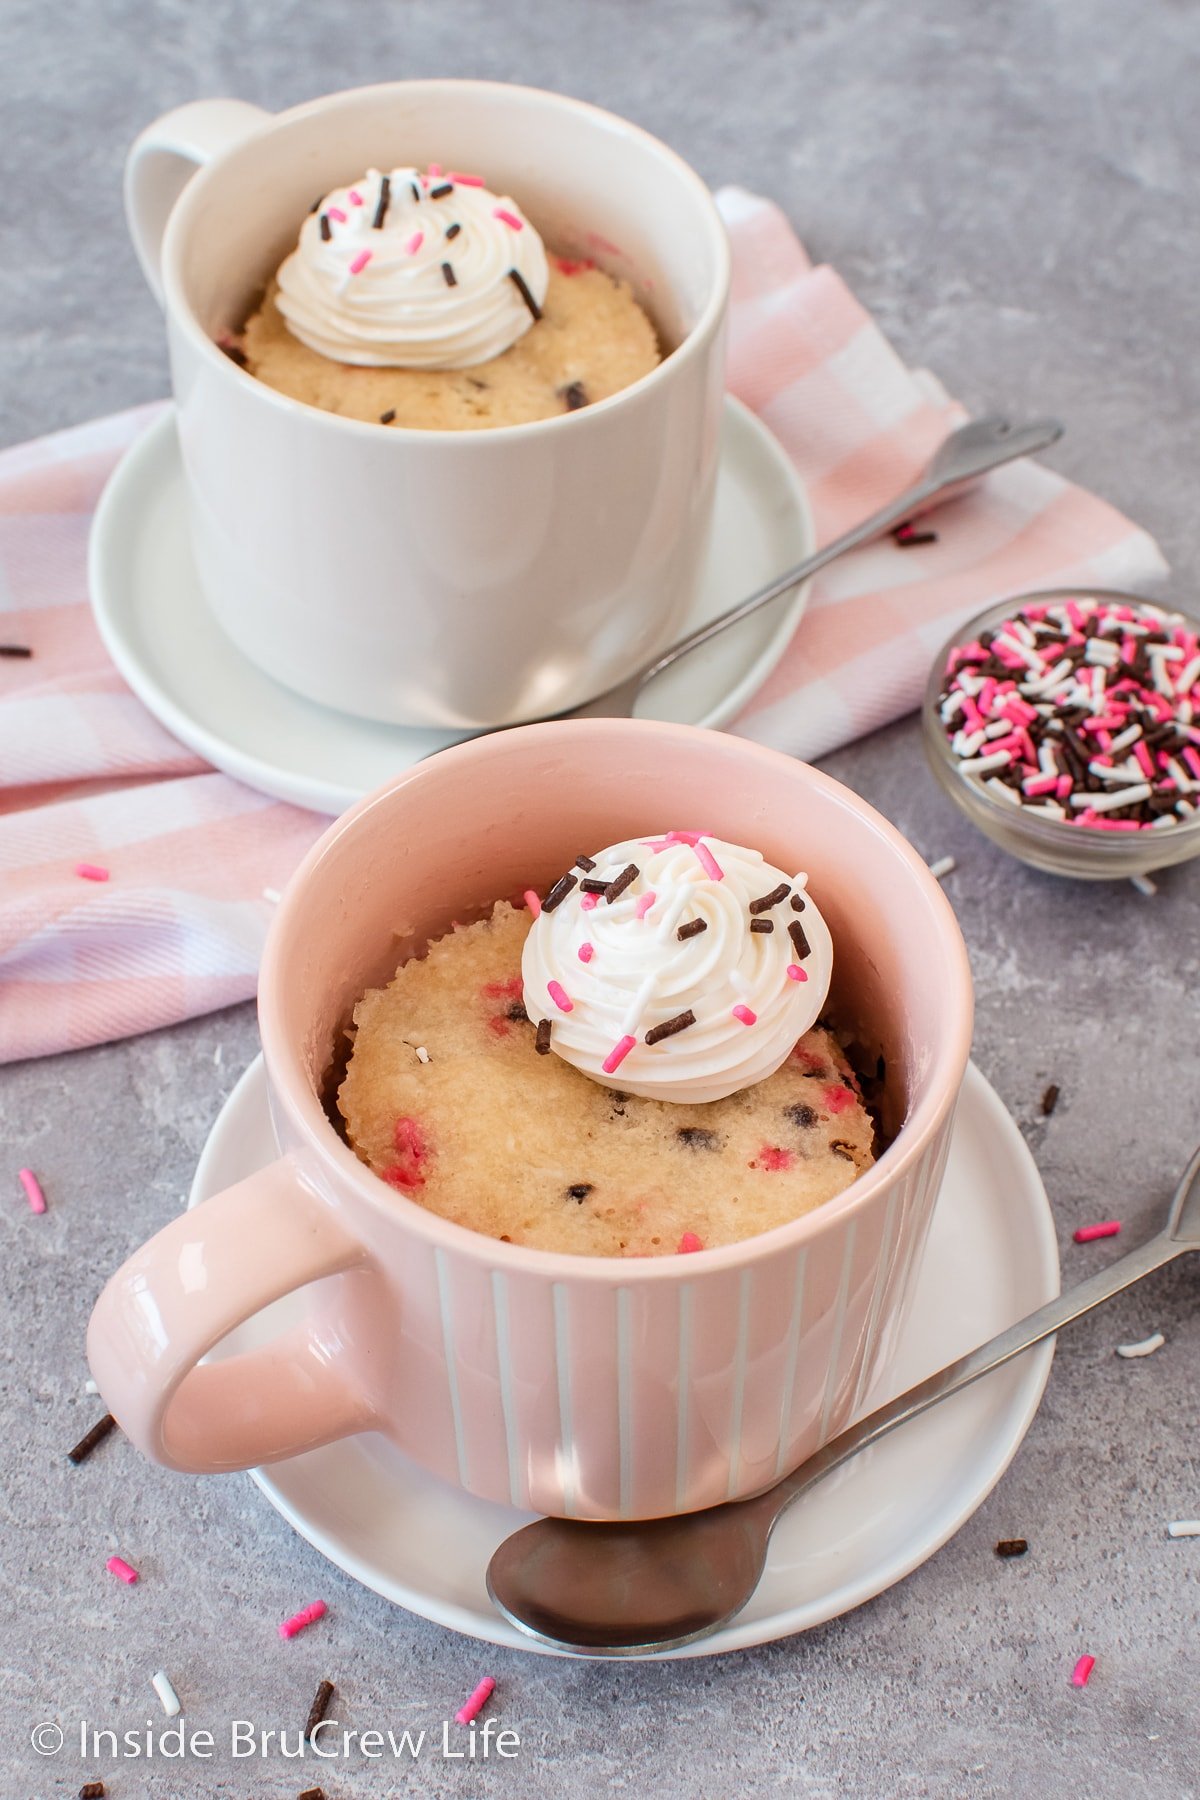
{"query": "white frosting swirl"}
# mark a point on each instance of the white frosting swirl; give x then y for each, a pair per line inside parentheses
(379, 295)
(636, 973)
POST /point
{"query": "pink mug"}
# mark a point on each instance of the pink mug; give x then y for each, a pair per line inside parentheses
(589, 1387)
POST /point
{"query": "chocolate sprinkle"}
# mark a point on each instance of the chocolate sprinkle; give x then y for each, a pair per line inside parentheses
(803, 1116)
(762, 925)
(585, 862)
(767, 901)
(797, 903)
(96, 1435)
(516, 1012)
(1012, 1547)
(237, 355)
(575, 395)
(451, 277)
(519, 282)
(326, 228)
(312, 1794)
(416, 191)
(669, 1027)
(693, 928)
(541, 1042)
(697, 1138)
(94, 1790)
(592, 886)
(559, 891)
(841, 1148)
(907, 534)
(796, 933)
(385, 195)
(319, 1707)
(387, 417)
(442, 188)
(15, 650)
(619, 883)
(452, 231)
(1050, 1099)
(580, 1190)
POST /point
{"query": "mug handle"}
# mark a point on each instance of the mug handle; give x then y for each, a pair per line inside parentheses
(203, 1275)
(164, 159)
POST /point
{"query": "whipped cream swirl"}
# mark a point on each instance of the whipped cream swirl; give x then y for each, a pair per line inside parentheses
(703, 938)
(413, 269)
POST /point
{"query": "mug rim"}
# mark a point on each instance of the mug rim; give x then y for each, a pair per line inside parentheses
(181, 315)
(288, 1078)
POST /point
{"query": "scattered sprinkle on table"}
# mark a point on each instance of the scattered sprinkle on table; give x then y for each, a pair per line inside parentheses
(1146, 1347)
(1144, 885)
(471, 1708)
(1082, 710)
(1181, 1528)
(33, 1190)
(273, 895)
(161, 1683)
(88, 1442)
(116, 1565)
(945, 865)
(15, 650)
(89, 1386)
(1050, 1099)
(1082, 1671)
(308, 1615)
(906, 535)
(91, 871)
(92, 1790)
(1012, 1547)
(319, 1708)
(312, 1794)
(1087, 1234)
(422, 1054)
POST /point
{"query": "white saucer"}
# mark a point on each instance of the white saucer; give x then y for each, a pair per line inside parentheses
(992, 1257)
(161, 635)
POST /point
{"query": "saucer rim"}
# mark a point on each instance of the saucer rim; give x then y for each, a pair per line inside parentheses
(1028, 1376)
(114, 542)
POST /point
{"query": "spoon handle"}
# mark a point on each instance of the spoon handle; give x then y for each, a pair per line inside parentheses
(1026, 1332)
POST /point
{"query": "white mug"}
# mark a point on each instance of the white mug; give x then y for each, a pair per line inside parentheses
(438, 578)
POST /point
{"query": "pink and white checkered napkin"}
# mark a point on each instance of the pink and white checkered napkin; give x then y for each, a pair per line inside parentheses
(87, 776)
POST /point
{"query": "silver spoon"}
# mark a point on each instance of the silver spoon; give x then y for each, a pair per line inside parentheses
(968, 453)
(655, 1584)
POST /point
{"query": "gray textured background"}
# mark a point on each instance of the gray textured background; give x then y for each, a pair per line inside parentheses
(1014, 195)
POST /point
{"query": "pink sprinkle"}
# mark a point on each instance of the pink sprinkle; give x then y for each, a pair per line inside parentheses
(712, 869)
(414, 243)
(335, 212)
(586, 952)
(560, 997)
(508, 218)
(837, 1098)
(466, 180)
(796, 973)
(116, 1565)
(91, 871)
(479, 1699)
(745, 1015)
(356, 198)
(533, 903)
(1087, 1234)
(589, 903)
(434, 170)
(617, 1054)
(1044, 784)
(307, 1616)
(1192, 760)
(1083, 1669)
(646, 900)
(772, 1157)
(688, 1243)
(360, 262)
(33, 1190)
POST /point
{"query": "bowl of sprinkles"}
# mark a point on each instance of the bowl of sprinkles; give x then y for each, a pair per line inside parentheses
(1066, 725)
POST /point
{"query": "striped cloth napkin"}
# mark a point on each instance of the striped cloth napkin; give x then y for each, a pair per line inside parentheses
(87, 777)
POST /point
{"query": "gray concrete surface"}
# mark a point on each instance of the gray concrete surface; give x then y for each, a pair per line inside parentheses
(1013, 191)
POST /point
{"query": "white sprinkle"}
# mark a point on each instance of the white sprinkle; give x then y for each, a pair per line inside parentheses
(998, 728)
(217, 1055)
(1003, 790)
(1129, 773)
(1144, 885)
(1163, 819)
(1187, 678)
(1184, 1528)
(1049, 810)
(273, 895)
(1120, 796)
(166, 1693)
(945, 865)
(89, 1387)
(637, 1006)
(951, 706)
(422, 1054)
(1126, 738)
(1047, 761)
(966, 743)
(979, 765)
(1147, 1347)
(1102, 650)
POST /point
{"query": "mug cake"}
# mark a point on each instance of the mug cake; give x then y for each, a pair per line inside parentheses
(418, 297)
(633, 1064)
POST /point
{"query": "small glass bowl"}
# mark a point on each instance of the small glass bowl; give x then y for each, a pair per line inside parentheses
(1049, 844)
